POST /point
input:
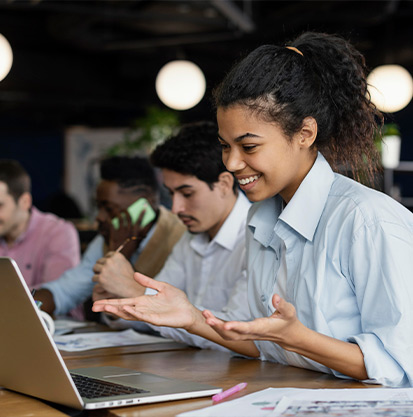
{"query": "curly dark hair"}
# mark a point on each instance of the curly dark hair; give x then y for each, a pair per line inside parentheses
(15, 177)
(325, 79)
(194, 150)
(129, 172)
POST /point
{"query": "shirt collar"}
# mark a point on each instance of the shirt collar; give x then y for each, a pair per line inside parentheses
(227, 235)
(264, 216)
(146, 239)
(304, 210)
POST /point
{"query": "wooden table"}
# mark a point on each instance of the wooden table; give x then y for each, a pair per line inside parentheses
(207, 366)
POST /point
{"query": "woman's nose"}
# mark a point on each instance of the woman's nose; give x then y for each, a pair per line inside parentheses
(233, 160)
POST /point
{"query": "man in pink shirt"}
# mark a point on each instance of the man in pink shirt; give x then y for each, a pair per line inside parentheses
(42, 244)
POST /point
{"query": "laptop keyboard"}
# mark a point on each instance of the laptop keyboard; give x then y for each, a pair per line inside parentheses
(96, 388)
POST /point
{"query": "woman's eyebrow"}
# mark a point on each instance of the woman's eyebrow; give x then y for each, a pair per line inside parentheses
(242, 137)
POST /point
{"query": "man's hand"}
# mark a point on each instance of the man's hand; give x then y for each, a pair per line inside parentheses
(127, 230)
(114, 274)
(169, 307)
(99, 293)
(47, 300)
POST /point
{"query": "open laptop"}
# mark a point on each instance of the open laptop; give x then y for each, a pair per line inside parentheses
(30, 362)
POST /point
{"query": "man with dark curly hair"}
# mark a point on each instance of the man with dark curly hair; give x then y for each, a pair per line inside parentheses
(208, 261)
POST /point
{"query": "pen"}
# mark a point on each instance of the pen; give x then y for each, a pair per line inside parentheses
(124, 243)
(228, 392)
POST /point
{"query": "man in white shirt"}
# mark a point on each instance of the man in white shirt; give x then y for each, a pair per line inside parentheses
(208, 262)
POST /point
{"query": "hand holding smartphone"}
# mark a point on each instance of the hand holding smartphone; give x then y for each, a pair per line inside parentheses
(135, 210)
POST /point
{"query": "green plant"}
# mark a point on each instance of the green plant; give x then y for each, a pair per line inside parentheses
(388, 129)
(146, 132)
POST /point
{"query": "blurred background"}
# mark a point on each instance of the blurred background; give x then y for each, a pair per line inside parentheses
(82, 83)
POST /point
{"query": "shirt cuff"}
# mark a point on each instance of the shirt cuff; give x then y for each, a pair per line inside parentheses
(381, 367)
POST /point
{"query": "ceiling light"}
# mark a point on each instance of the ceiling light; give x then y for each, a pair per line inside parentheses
(180, 84)
(390, 87)
(6, 57)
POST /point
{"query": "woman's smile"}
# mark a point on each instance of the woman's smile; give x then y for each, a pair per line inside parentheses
(247, 182)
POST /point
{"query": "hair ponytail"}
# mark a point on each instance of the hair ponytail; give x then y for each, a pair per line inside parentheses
(347, 136)
(317, 75)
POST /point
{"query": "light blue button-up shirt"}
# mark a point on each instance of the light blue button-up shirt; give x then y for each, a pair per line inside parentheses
(349, 259)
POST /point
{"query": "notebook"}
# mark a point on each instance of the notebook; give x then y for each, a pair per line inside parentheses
(30, 362)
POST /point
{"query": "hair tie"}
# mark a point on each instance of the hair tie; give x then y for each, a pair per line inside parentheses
(293, 48)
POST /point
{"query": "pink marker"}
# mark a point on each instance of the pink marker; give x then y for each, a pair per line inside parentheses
(228, 392)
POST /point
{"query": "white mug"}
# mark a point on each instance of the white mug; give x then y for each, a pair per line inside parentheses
(48, 321)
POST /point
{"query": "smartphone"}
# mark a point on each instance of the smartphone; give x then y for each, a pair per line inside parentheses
(135, 210)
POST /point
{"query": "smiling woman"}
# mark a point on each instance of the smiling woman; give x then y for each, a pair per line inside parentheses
(260, 155)
(322, 288)
(330, 290)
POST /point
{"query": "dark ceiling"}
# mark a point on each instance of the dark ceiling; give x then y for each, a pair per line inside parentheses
(95, 62)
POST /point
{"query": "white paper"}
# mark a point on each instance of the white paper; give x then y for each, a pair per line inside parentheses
(267, 403)
(346, 394)
(63, 326)
(86, 341)
(290, 407)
